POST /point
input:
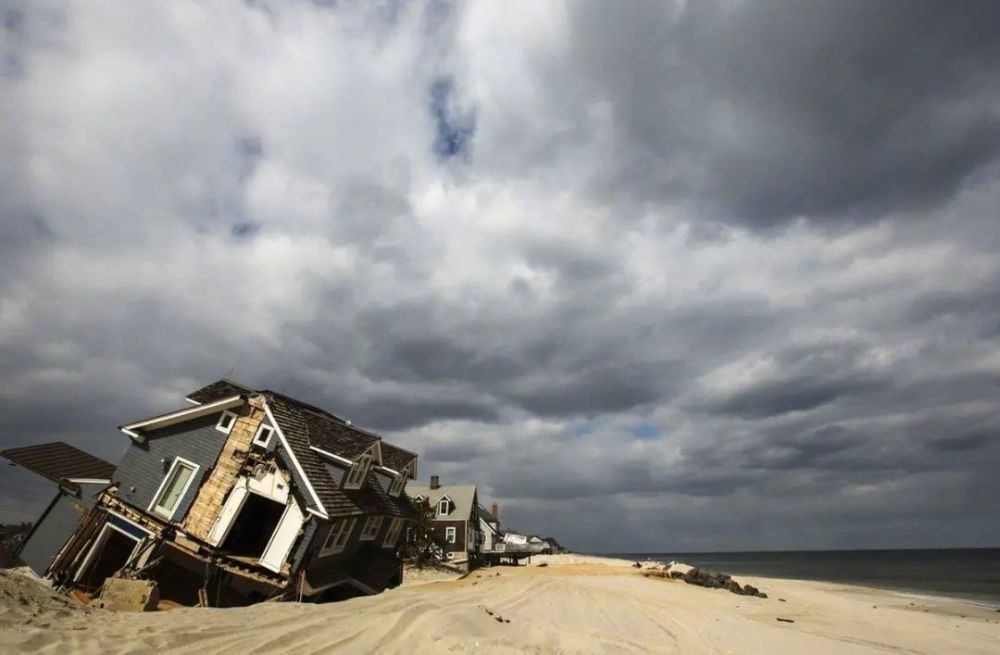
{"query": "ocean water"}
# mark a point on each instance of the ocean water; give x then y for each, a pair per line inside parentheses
(968, 574)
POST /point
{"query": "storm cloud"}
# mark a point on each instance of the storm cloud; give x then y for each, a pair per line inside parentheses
(677, 275)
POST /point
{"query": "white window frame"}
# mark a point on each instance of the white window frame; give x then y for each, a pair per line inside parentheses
(392, 534)
(444, 499)
(263, 443)
(451, 535)
(358, 472)
(398, 483)
(153, 506)
(226, 414)
(370, 530)
(340, 534)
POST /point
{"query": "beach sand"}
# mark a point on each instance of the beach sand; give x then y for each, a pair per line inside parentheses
(576, 604)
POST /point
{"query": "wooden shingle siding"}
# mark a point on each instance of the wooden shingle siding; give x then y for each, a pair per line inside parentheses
(144, 465)
(439, 528)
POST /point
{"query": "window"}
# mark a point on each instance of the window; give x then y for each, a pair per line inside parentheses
(340, 532)
(450, 535)
(393, 533)
(371, 528)
(179, 477)
(444, 506)
(397, 485)
(226, 422)
(263, 437)
(359, 471)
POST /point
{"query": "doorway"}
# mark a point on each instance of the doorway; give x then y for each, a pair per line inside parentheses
(252, 529)
(112, 551)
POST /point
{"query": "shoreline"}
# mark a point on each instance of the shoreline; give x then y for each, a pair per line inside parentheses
(898, 590)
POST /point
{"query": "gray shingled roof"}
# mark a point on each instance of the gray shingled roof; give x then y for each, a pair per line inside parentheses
(294, 427)
(60, 462)
(463, 495)
(395, 457)
(218, 391)
(337, 438)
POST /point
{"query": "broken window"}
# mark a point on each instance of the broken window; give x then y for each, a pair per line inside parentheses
(175, 483)
(393, 534)
(340, 532)
(359, 471)
(371, 528)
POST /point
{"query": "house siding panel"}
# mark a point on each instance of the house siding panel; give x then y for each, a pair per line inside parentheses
(54, 529)
(439, 532)
(143, 467)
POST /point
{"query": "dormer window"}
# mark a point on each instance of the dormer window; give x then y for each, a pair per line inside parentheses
(397, 485)
(263, 437)
(359, 471)
(444, 506)
(226, 422)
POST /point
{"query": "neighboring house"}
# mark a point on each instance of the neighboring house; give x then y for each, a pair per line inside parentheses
(489, 527)
(456, 517)
(246, 495)
(80, 477)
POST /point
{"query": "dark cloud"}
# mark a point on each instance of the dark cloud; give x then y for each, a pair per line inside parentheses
(557, 252)
(769, 111)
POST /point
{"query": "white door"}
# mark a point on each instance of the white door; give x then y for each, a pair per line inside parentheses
(283, 538)
(227, 515)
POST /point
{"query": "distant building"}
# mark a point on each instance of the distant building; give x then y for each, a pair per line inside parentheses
(456, 517)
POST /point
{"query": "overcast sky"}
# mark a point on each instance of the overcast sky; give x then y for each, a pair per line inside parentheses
(689, 276)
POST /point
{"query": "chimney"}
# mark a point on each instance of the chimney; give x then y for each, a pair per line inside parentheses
(496, 511)
(435, 482)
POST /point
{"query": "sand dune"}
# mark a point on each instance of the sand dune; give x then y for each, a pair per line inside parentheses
(574, 605)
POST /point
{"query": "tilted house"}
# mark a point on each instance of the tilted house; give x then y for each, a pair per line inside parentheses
(246, 495)
(456, 517)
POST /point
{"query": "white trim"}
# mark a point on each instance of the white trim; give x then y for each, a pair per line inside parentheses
(437, 510)
(89, 480)
(392, 535)
(342, 460)
(371, 528)
(148, 532)
(180, 497)
(182, 415)
(363, 465)
(361, 586)
(193, 402)
(226, 414)
(285, 525)
(378, 452)
(348, 523)
(387, 469)
(266, 442)
(454, 534)
(295, 461)
(102, 537)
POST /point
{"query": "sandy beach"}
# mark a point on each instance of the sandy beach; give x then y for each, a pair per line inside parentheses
(575, 604)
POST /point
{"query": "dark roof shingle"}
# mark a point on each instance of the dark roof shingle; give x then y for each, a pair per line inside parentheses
(218, 391)
(60, 462)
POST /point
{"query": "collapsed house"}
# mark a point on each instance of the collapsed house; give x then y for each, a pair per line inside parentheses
(243, 496)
